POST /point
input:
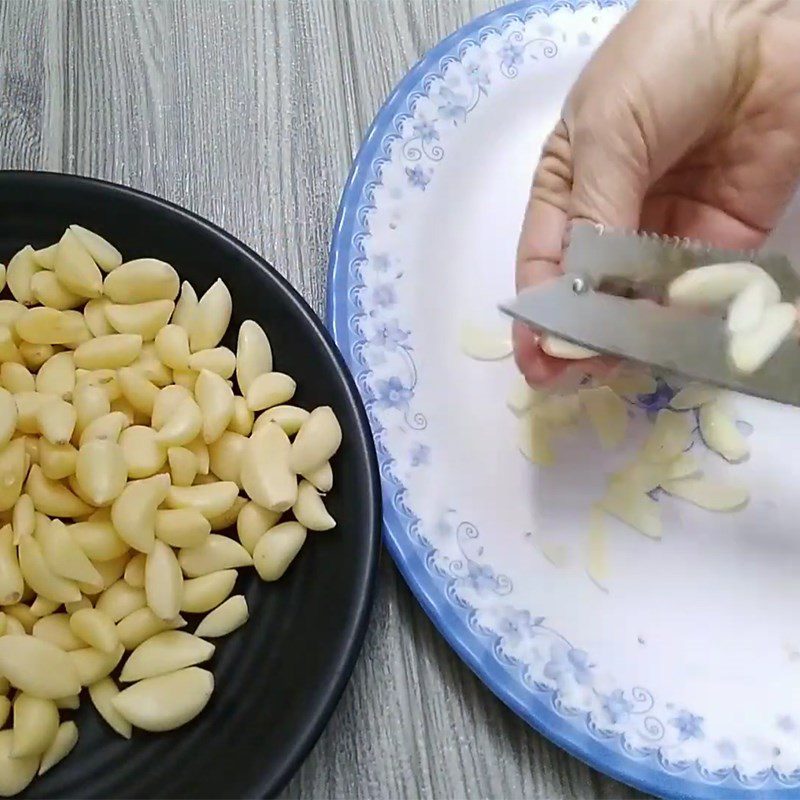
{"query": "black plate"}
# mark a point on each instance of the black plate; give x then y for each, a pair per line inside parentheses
(279, 677)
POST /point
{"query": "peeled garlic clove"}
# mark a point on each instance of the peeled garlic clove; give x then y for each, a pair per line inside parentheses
(145, 319)
(109, 352)
(103, 693)
(137, 390)
(290, 418)
(65, 739)
(608, 414)
(8, 417)
(11, 582)
(95, 628)
(253, 522)
(44, 325)
(42, 579)
(35, 725)
(163, 581)
(143, 455)
(211, 317)
(72, 703)
(205, 592)
(227, 518)
(270, 389)
(57, 376)
(310, 511)
(90, 404)
(225, 455)
(150, 366)
(210, 499)
(560, 348)
(28, 404)
(182, 466)
(316, 441)
(712, 495)
(141, 281)
(215, 399)
(13, 468)
(683, 467)
(23, 518)
(714, 285)
(276, 549)
(242, 418)
(19, 272)
(63, 555)
(669, 437)
(38, 667)
(134, 572)
(101, 471)
(535, 439)
(320, 477)
(104, 254)
(181, 527)
(56, 630)
(634, 508)
(76, 269)
(43, 607)
(751, 349)
(172, 346)
(185, 307)
(93, 665)
(56, 420)
(34, 355)
(720, 433)
(747, 309)
(165, 653)
(182, 425)
(216, 553)
(166, 701)
(693, 395)
(168, 400)
(23, 613)
(110, 572)
(266, 475)
(120, 600)
(49, 291)
(224, 619)
(640, 477)
(95, 315)
(98, 538)
(52, 498)
(142, 624)
(10, 312)
(133, 513)
(15, 773)
(219, 360)
(253, 354)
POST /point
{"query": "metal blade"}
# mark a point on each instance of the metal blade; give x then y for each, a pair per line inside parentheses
(671, 339)
(655, 261)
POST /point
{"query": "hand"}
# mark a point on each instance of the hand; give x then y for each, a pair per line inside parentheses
(686, 122)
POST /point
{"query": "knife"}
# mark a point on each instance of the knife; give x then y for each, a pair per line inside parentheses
(596, 304)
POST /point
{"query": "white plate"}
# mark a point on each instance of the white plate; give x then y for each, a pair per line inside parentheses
(682, 677)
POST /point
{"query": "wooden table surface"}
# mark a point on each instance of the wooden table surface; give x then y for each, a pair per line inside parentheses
(249, 113)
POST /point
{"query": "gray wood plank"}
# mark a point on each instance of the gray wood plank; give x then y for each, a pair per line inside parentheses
(249, 112)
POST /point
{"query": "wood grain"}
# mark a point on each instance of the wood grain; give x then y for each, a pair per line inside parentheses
(249, 112)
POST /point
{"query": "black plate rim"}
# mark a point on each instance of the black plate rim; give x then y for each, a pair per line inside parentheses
(365, 587)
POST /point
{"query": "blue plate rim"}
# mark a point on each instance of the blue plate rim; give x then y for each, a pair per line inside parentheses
(646, 774)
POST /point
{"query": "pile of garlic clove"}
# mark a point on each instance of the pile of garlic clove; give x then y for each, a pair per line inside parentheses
(127, 455)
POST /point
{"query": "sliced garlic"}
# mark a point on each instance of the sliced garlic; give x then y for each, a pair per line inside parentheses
(38, 667)
(141, 281)
(720, 433)
(683, 466)
(712, 495)
(632, 381)
(641, 476)
(253, 354)
(751, 349)
(103, 693)
(535, 439)
(484, 345)
(164, 653)
(63, 742)
(560, 348)
(693, 395)
(166, 701)
(634, 508)
(608, 414)
(669, 437)
(163, 581)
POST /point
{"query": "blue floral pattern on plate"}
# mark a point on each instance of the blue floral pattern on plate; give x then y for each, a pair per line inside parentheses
(548, 680)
